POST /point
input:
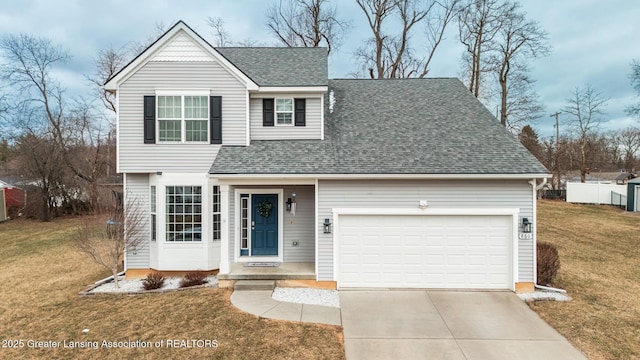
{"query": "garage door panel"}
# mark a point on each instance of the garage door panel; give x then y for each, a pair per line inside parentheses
(424, 251)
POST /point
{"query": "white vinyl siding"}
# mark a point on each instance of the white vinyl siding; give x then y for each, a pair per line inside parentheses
(182, 48)
(408, 193)
(135, 156)
(311, 130)
(136, 189)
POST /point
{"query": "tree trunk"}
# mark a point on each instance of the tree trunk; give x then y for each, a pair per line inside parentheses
(583, 163)
(503, 101)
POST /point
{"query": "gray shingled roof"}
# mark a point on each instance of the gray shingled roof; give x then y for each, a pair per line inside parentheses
(409, 126)
(280, 66)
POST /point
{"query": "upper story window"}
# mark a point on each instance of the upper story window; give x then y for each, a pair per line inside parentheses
(284, 111)
(186, 116)
(183, 118)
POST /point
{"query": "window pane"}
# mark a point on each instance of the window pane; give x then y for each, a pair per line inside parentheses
(184, 213)
(284, 104)
(169, 107)
(152, 200)
(284, 119)
(170, 130)
(197, 130)
(196, 107)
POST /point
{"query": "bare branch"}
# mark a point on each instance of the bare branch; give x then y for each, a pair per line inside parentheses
(307, 23)
(107, 242)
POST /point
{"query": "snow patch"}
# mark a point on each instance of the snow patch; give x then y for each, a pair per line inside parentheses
(307, 296)
(135, 285)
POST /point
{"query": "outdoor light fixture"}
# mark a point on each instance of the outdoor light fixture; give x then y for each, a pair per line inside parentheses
(327, 226)
(291, 204)
(527, 225)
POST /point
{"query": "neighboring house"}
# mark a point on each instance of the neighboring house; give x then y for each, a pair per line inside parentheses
(252, 156)
(624, 177)
(12, 200)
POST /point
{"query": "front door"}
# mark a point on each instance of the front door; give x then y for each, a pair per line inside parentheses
(264, 225)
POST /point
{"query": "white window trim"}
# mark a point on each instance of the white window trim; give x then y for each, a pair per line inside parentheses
(153, 211)
(202, 217)
(214, 213)
(183, 122)
(292, 112)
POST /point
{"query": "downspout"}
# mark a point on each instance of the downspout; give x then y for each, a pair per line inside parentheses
(534, 240)
(539, 187)
(549, 288)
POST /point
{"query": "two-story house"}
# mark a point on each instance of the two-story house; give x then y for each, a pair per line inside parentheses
(248, 157)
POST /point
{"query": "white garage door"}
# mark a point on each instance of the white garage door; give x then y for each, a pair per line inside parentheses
(424, 251)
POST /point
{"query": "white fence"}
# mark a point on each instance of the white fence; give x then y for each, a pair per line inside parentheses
(593, 193)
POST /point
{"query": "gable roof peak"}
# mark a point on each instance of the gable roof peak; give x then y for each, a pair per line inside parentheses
(147, 54)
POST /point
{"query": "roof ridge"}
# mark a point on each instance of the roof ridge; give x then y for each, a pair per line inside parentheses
(398, 79)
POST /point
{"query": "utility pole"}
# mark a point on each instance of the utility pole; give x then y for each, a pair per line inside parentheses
(557, 167)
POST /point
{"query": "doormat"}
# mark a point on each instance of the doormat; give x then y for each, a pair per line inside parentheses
(262, 264)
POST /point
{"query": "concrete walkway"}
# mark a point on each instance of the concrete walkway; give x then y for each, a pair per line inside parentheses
(260, 303)
(446, 325)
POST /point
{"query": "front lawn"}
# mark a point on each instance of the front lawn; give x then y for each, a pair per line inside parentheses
(599, 250)
(41, 275)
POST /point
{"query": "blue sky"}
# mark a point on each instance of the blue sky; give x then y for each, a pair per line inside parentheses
(593, 42)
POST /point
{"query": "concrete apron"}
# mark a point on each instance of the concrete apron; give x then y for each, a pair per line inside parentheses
(446, 325)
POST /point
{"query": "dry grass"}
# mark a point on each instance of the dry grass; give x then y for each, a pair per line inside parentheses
(41, 274)
(599, 250)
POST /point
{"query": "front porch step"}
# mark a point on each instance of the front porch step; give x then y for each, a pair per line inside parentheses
(254, 285)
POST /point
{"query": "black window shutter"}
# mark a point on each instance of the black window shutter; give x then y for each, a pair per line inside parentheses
(150, 119)
(300, 105)
(215, 118)
(267, 112)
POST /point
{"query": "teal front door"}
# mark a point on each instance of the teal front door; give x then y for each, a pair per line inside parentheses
(264, 225)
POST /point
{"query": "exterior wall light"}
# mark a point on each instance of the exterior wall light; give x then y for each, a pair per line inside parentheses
(291, 204)
(527, 226)
(327, 226)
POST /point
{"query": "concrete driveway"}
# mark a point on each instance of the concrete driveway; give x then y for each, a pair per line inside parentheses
(446, 325)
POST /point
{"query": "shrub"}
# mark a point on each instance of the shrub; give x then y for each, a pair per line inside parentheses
(193, 279)
(153, 281)
(548, 263)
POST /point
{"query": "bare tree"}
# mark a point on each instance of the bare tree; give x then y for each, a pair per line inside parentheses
(219, 32)
(634, 110)
(107, 64)
(516, 42)
(522, 104)
(478, 24)
(392, 55)
(73, 127)
(124, 231)
(586, 108)
(628, 140)
(308, 23)
(40, 161)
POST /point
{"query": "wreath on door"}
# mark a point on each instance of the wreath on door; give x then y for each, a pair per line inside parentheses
(265, 208)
